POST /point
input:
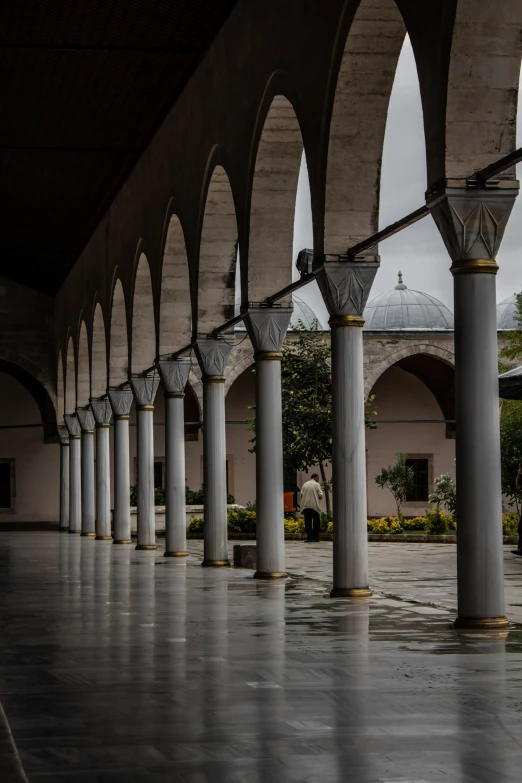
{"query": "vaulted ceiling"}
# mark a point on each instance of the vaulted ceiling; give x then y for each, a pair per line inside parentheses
(84, 84)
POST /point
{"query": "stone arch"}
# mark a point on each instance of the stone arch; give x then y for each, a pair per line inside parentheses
(70, 378)
(98, 354)
(238, 369)
(143, 340)
(272, 209)
(175, 317)
(217, 255)
(374, 372)
(357, 125)
(83, 383)
(39, 394)
(118, 338)
(60, 388)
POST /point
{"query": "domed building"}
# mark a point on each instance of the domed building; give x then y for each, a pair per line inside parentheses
(403, 309)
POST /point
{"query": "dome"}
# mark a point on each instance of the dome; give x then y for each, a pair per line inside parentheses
(403, 309)
(506, 313)
(304, 313)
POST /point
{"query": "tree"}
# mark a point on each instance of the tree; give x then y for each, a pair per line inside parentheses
(512, 350)
(511, 450)
(399, 479)
(445, 493)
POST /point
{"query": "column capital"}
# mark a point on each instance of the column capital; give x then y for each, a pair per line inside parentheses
(346, 286)
(174, 375)
(144, 389)
(266, 327)
(73, 425)
(63, 434)
(121, 402)
(212, 354)
(86, 419)
(472, 220)
(101, 409)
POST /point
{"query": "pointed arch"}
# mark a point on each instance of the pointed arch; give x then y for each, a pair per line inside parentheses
(70, 378)
(60, 388)
(118, 342)
(274, 192)
(143, 339)
(217, 255)
(83, 388)
(99, 354)
(356, 135)
(175, 328)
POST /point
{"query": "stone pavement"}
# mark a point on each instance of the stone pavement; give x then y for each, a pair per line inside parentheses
(119, 666)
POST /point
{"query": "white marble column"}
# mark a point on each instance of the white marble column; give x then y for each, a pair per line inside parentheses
(86, 420)
(121, 403)
(102, 416)
(345, 286)
(144, 390)
(75, 478)
(63, 435)
(212, 355)
(267, 327)
(174, 376)
(472, 222)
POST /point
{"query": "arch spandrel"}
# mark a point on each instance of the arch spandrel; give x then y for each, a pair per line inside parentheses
(374, 371)
(143, 339)
(83, 382)
(273, 201)
(217, 255)
(60, 388)
(358, 123)
(70, 378)
(175, 328)
(118, 342)
(99, 354)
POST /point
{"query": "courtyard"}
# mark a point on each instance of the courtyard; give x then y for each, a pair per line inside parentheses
(125, 666)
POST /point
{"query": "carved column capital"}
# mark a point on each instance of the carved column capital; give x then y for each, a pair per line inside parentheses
(174, 376)
(86, 419)
(144, 390)
(73, 425)
(472, 221)
(63, 434)
(267, 327)
(212, 354)
(121, 402)
(346, 286)
(102, 412)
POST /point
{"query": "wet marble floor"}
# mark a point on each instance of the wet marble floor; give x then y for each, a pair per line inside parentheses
(122, 666)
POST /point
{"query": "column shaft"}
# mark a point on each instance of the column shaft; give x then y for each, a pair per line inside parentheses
(270, 532)
(87, 473)
(145, 461)
(350, 547)
(103, 489)
(175, 507)
(214, 473)
(479, 496)
(64, 486)
(122, 519)
(75, 485)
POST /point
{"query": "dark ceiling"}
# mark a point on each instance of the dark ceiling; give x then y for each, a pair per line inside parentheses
(83, 84)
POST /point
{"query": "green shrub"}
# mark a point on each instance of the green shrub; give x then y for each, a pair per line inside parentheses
(295, 526)
(436, 522)
(415, 523)
(510, 524)
(326, 518)
(243, 521)
(197, 525)
(195, 497)
(385, 525)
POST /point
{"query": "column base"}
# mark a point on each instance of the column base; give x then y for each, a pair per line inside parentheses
(215, 563)
(89, 535)
(122, 541)
(103, 538)
(481, 623)
(146, 547)
(75, 532)
(351, 592)
(175, 554)
(270, 575)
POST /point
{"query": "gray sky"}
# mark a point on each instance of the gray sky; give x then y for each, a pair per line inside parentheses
(417, 251)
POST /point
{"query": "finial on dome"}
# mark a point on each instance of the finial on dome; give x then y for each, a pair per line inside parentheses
(400, 286)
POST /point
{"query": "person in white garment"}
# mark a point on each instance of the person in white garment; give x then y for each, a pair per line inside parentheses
(311, 496)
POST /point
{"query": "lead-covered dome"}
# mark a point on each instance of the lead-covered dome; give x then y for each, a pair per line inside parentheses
(402, 309)
(506, 313)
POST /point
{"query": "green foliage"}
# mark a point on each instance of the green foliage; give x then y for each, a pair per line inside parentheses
(197, 525)
(436, 522)
(399, 479)
(385, 525)
(242, 520)
(134, 495)
(445, 493)
(511, 450)
(512, 350)
(510, 524)
(326, 520)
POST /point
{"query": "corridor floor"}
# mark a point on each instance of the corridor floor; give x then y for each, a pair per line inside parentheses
(119, 666)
